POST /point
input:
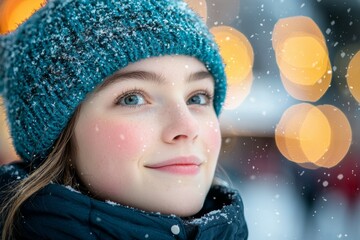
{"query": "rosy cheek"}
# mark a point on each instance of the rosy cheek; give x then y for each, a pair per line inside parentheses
(111, 139)
(213, 136)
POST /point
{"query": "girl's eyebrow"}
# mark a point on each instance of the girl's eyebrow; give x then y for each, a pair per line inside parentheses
(149, 76)
(142, 75)
(199, 76)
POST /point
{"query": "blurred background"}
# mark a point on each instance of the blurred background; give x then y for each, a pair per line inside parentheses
(291, 124)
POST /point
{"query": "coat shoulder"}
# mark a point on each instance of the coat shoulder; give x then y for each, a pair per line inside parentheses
(10, 174)
(13, 172)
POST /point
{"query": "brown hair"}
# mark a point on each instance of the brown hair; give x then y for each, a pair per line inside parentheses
(57, 168)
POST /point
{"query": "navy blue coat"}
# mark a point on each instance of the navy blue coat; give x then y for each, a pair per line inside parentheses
(59, 212)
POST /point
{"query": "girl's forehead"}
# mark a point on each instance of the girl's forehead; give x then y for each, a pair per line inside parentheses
(160, 71)
(168, 62)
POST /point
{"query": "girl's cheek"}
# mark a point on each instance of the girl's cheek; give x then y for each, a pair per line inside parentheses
(113, 139)
(213, 136)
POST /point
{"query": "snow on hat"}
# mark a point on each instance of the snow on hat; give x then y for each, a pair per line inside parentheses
(64, 51)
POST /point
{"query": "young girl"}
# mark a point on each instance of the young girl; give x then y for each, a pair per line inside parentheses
(113, 108)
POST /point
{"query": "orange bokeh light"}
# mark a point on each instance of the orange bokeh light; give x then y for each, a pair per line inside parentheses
(293, 27)
(353, 76)
(238, 57)
(287, 133)
(341, 136)
(306, 92)
(313, 136)
(303, 60)
(237, 92)
(14, 12)
(302, 57)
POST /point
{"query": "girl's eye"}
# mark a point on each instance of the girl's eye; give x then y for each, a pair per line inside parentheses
(132, 99)
(200, 99)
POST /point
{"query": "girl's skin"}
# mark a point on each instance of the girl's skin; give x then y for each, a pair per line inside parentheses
(150, 112)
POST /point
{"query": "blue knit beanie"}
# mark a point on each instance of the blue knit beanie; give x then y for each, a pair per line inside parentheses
(65, 50)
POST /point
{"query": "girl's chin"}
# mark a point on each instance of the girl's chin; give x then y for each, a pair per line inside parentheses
(180, 209)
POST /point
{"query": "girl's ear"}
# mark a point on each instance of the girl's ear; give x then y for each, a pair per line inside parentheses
(3, 46)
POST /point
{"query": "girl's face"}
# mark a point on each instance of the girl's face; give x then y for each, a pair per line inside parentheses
(149, 137)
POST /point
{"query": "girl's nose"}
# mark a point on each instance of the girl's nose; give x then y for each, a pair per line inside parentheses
(181, 125)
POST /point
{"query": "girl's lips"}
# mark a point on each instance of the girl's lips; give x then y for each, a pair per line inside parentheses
(180, 169)
(179, 165)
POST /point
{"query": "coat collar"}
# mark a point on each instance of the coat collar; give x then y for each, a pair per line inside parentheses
(69, 214)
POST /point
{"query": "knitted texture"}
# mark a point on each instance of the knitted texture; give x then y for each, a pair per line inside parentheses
(65, 50)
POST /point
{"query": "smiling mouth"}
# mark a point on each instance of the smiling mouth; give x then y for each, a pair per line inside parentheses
(180, 165)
